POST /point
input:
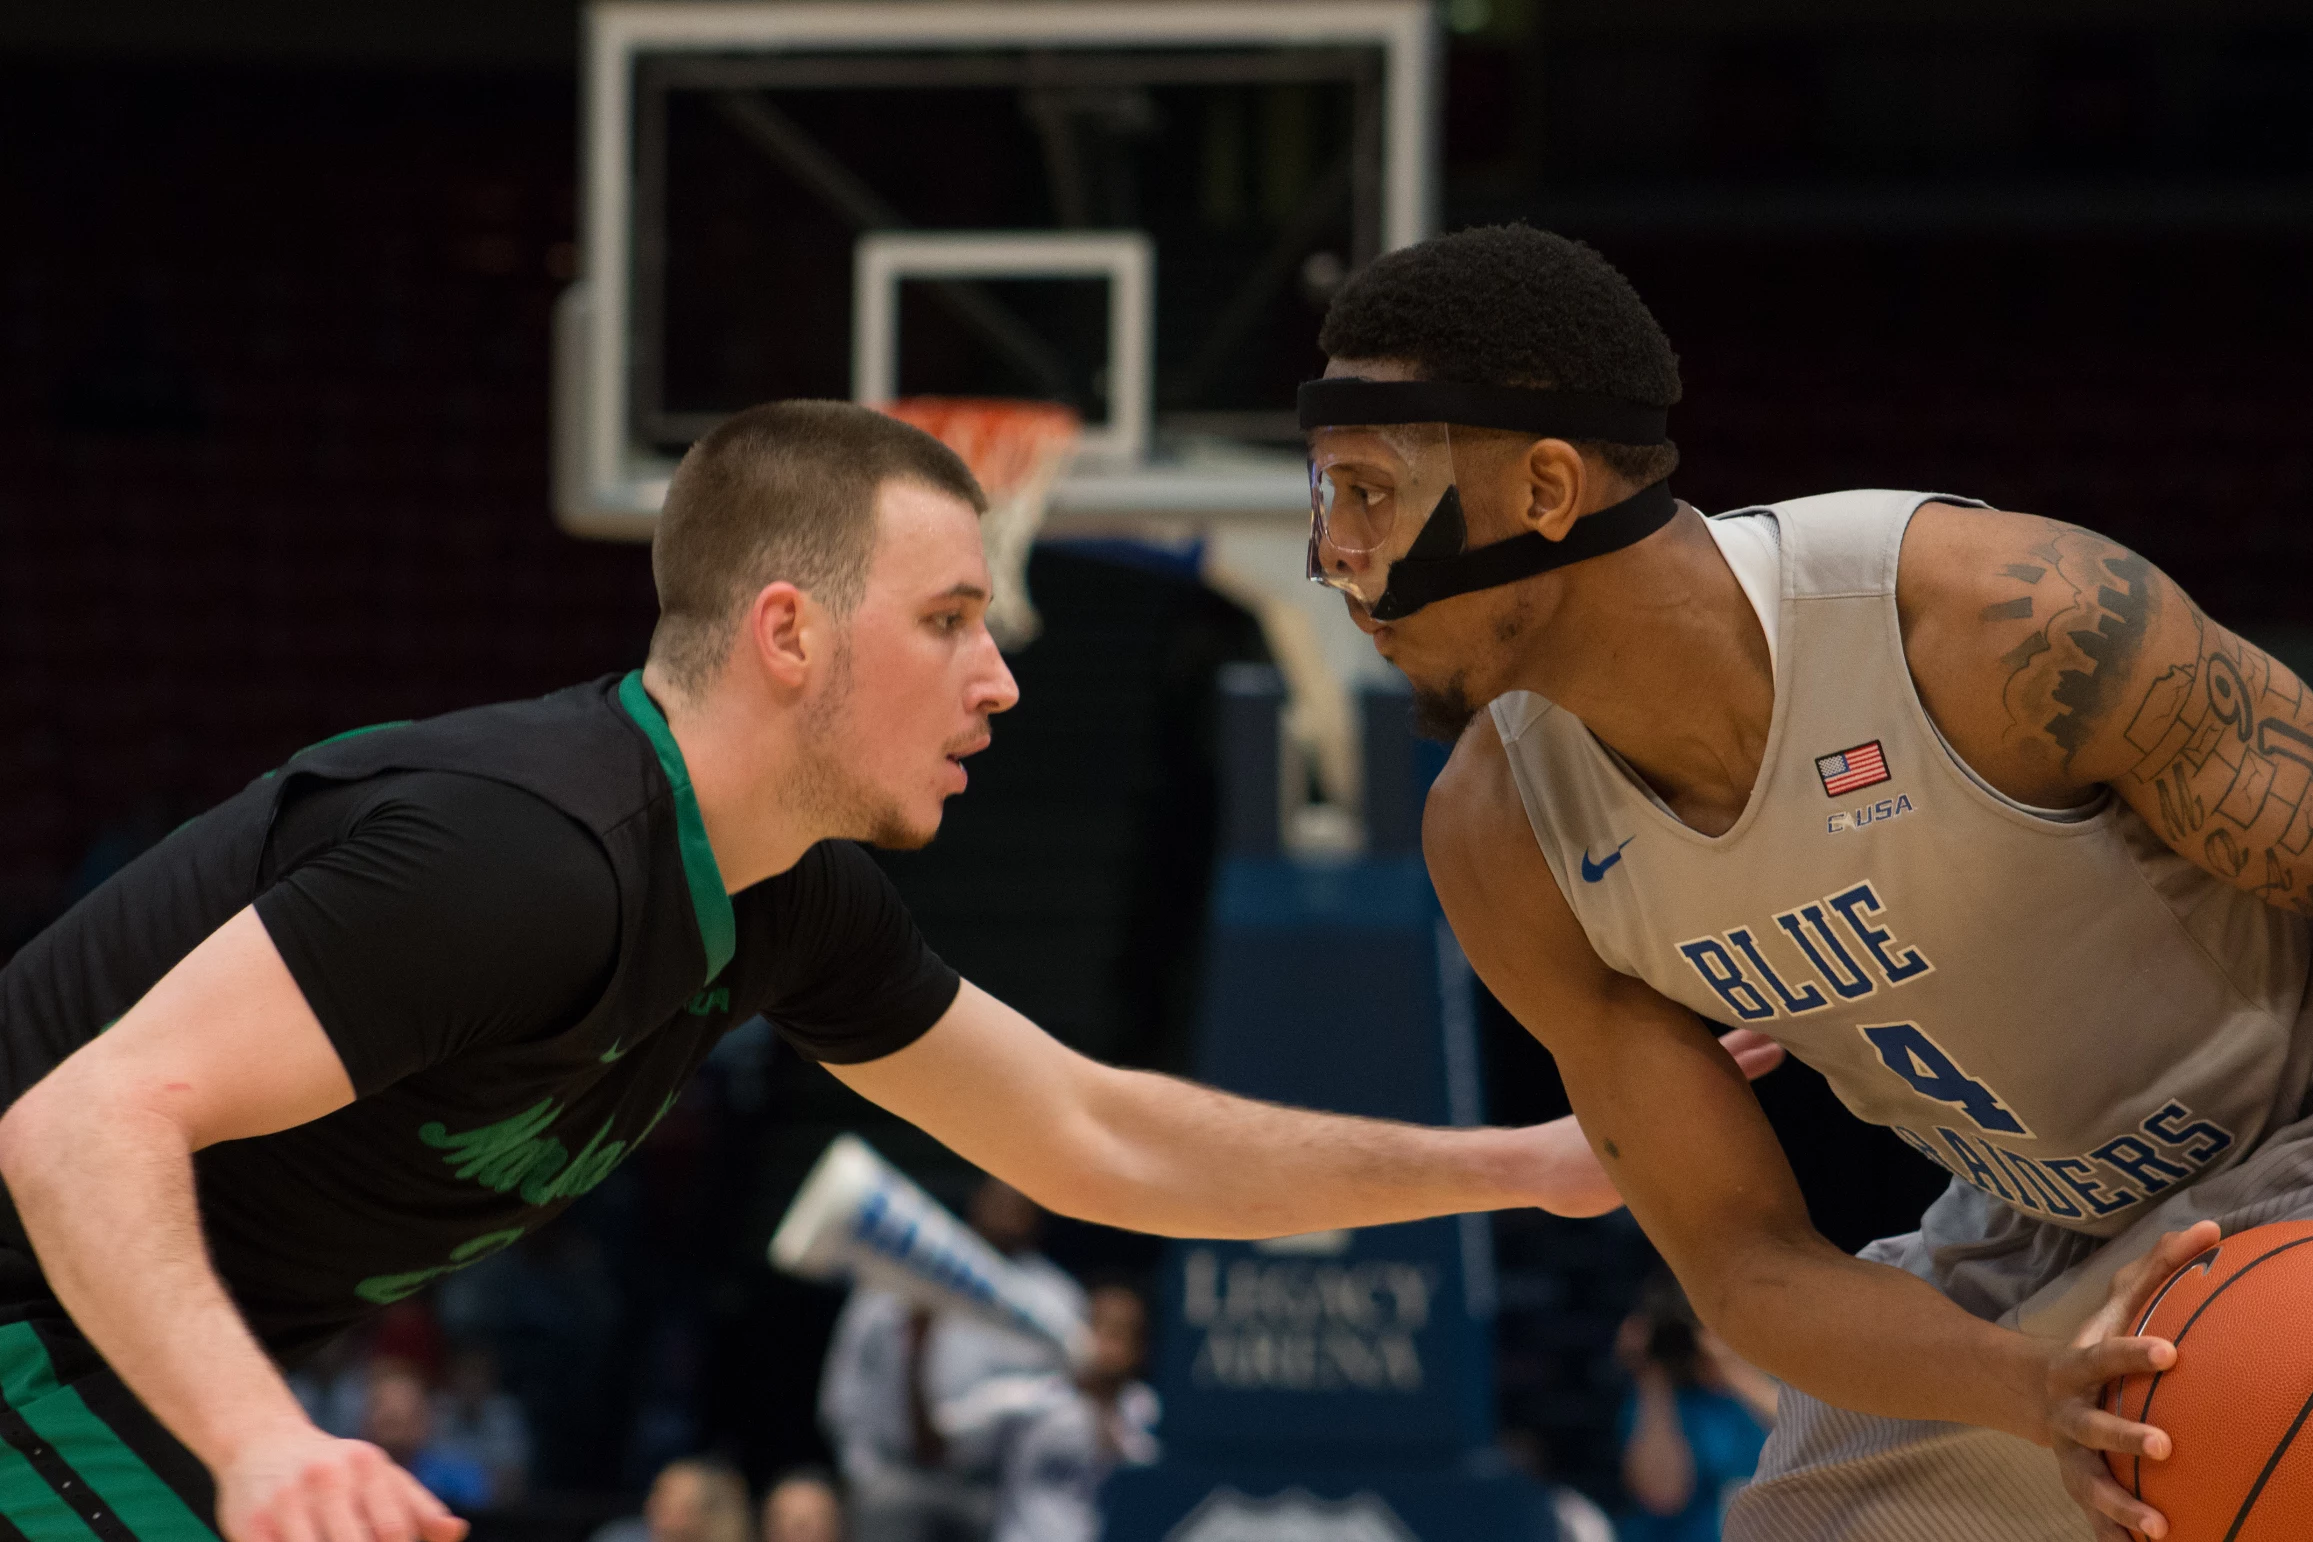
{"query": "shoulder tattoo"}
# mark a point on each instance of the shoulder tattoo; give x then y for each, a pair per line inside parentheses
(2094, 601)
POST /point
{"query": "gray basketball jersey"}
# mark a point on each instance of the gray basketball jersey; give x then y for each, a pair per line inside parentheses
(2055, 1007)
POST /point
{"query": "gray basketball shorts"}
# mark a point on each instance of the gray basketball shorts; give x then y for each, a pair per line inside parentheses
(1829, 1475)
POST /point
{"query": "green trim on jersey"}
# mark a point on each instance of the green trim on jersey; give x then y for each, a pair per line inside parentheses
(718, 928)
(350, 733)
(355, 733)
(128, 1487)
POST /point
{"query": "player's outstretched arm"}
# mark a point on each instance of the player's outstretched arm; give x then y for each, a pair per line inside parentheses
(2057, 661)
(1688, 1146)
(1157, 1154)
(98, 1158)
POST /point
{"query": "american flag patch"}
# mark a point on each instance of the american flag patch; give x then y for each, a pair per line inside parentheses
(1863, 766)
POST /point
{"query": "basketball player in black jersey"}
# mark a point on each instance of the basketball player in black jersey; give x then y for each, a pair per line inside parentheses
(402, 1000)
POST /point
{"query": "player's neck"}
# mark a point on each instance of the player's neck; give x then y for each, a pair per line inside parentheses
(1659, 653)
(743, 774)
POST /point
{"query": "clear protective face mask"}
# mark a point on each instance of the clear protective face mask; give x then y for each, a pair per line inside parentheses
(1373, 490)
(1386, 522)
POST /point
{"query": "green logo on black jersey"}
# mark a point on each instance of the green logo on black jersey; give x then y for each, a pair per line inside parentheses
(385, 1289)
(703, 1004)
(517, 1155)
(513, 1155)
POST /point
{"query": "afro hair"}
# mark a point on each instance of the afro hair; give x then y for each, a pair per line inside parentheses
(1512, 305)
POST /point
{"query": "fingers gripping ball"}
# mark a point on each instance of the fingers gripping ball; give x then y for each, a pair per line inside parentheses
(2239, 1399)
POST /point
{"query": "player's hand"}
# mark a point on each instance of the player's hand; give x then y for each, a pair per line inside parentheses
(1755, 1054)
(305, 1486)
(2104, 1351)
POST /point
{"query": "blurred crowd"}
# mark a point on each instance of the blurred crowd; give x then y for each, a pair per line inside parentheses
(1692, 1425)
(700, 1499)
(946, 1429)
(434, 1407)
(950, 1430)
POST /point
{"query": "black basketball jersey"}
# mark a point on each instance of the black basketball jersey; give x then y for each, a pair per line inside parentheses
(457, 1144)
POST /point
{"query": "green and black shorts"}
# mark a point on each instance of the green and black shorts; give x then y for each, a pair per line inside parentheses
(80, 1458)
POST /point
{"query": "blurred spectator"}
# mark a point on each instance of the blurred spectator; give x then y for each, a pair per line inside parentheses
(695, 1499)
(477, 1419)
(1693, 1425)
(399, 1418)
(408, 1332)
(550, 1310)
(891, 1364)
(333, 1386)
(1052, 1439)
(803, 1506)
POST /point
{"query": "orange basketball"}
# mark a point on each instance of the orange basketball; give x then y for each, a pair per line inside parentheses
(2236, 1402)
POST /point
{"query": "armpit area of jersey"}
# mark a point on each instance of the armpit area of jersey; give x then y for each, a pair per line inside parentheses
(832, 954)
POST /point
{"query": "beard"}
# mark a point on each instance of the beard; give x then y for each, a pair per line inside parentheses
(1441, 712)
(837, 798)
(1443, 709)
(848, 807)
(883, 826)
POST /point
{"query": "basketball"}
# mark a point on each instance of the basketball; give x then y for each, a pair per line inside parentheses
(2236, 1401)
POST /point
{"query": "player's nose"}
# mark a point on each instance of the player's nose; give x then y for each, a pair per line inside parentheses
(994, 689)
(1339, 563)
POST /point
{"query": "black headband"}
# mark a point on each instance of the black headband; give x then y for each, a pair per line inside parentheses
(1346, 401)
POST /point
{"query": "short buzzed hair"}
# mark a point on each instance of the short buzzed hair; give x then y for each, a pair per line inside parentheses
(786, 491)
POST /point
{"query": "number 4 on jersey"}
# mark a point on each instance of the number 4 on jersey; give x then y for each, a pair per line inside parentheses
(1919, 1060)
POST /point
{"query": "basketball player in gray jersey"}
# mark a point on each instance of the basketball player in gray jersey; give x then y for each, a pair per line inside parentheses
(1975, 812)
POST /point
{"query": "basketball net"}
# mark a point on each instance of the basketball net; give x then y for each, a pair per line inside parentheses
(1017, 450)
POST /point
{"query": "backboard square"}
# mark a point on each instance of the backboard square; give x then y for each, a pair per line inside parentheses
(1126, 259)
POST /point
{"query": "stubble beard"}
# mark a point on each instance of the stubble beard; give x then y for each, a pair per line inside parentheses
(838, 799)
(1441, 712)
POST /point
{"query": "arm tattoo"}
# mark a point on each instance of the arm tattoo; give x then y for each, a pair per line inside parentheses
(2097, 600)
(2224, 743)
(2227, 749)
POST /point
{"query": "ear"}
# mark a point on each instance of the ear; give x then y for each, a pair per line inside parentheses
(781, 630)
(1556, 478)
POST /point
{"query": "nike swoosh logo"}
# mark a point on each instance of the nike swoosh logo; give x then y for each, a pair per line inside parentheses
(1593, 871)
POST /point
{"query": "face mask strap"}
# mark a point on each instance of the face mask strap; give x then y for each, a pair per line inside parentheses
(1445, 535)
(1417, 580)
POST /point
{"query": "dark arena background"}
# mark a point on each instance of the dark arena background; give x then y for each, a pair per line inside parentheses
(276, 285)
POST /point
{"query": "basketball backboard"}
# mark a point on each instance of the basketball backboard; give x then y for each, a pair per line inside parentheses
(744, 161)
(1136, 207)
